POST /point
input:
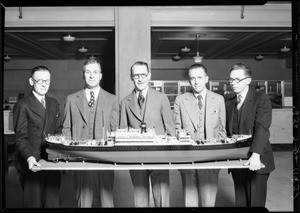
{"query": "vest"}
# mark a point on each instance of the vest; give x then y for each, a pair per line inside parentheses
(201, 133)
(236, 120)
(91, 115)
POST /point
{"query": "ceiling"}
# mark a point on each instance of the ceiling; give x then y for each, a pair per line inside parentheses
(214, 42)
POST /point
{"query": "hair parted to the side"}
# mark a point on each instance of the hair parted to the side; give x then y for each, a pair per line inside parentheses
(242, 66)
(91, 60)
(139, 63)
(196, 66)
(38, 68)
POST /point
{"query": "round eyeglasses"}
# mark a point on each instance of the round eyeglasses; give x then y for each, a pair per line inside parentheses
(236, 80)
(41, 81)
(136, 76)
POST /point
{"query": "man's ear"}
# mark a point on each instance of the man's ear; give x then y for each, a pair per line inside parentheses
(249, 80)
(207, 78)
(31, 81)
(149, 76)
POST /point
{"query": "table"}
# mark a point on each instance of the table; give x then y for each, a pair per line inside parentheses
(65, 165)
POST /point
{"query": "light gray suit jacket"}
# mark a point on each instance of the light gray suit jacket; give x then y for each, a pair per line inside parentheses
(157, 115)
(185, 116)
(75, 123)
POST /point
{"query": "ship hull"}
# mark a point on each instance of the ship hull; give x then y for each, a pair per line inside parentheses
(150, 154)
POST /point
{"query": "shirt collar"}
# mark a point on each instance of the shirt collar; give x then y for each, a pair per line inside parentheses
(243, 93)
(144, 92)
(39, 97)
(95, 90)
(202, 93)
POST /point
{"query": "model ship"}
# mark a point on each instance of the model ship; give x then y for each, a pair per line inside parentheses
(144, 146)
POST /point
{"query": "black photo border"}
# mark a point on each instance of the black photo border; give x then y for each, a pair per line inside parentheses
(295, 75)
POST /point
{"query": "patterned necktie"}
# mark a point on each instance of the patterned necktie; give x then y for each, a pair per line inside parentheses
(141, 100)
(43, 102)
(92, 99)
(199, 101)
(239, 102)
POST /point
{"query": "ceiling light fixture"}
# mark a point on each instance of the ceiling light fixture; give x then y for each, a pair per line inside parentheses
(82, 49)
(285, 49)
(197, 58)
(259, 57)
(185, 49)
(176, 57)
(69, 38)
(7, 58)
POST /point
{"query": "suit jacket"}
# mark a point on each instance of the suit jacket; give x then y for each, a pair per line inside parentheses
(255, 119)
(158, 112)
(215, 119)
(75, 124)
(32, 122)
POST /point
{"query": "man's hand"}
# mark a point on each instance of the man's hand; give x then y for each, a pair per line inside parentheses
(32, 162)
(254, 162)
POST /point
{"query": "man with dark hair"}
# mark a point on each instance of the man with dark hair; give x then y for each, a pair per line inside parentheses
(202, 113)
(36, 116)
(250, 112)
(146, 105)
(90, 113)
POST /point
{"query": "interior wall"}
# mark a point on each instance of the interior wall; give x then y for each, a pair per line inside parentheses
(67, 74)
(66, 77)
(267, 69)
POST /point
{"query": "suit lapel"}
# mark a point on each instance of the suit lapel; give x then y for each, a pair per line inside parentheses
(133, 106)
(230, 111)
(80, 104)
(246, 108)
(101, 102)
(210, 101)
(189, 105)
(148, 103)
(49, 109)
(36, 106)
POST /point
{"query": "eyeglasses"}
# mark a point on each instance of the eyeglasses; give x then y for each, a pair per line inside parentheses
(136, 76)
(236, 80)
(193, 79)
(94, 72)
(41, 81)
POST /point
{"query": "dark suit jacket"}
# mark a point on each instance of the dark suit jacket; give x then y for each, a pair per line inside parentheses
(31, 124)
(76, 121)
(158, 112)
(256, 117)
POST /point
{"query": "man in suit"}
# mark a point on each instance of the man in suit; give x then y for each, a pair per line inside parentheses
(146, 105)
(34, 117)
(202, 113)
(250, 112)
(89, 114)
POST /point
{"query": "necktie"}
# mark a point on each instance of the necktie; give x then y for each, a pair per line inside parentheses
(141, 100)
(239, 102)
(92, 99)
(199, 101)
(43, 101)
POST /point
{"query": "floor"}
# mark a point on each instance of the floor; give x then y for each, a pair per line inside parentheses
(279, 198)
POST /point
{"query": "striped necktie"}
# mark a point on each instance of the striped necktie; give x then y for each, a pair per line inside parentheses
(200, 101)
(239, 102)
(92, 100)
(43, 102)
(141, 100)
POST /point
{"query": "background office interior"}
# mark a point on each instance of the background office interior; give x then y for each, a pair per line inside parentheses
(119, 36)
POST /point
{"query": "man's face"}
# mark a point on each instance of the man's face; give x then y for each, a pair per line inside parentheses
(198, 79)
(237, 75)
(92, 75)
(140, 77)
(40, 81)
